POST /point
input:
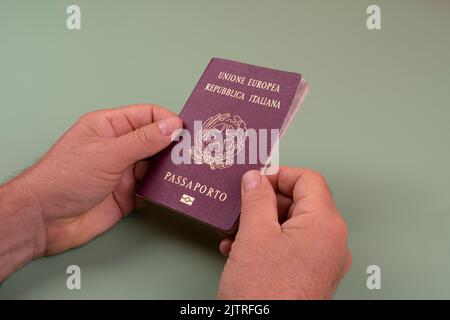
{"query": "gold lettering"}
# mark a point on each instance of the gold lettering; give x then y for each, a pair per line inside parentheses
(223, 196)
(231, 77)
(167, 175)
(203, 189)
(225, 91)
(264, 101)
(269, 86)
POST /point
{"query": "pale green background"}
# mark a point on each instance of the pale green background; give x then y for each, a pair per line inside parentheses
(376, 124)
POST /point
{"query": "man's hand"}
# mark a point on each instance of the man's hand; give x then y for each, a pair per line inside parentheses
(85, 183)
(291, 242)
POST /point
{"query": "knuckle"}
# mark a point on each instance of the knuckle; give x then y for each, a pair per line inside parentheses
(256, 200)
(340, 230)
(89, 117)
(349, 259)
(342, 226)
(143, 137)
(315, 176)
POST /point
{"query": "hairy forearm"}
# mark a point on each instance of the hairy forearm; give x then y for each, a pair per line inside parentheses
(21, 234)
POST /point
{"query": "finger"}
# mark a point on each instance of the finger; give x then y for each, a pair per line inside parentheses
(129, 118)
(87, 226)
(347, 263)
(302, 184)
(141, 203)
(225, 246)
(259, 203)
(140, 169)
(286, 179)
(283, 205)
(146, 141)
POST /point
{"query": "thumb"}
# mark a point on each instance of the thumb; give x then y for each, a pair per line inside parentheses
(259, 203)
(147, 140)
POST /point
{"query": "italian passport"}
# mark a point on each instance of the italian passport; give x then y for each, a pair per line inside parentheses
(233, 121)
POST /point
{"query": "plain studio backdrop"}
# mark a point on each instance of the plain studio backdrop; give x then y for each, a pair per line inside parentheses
(375, 123)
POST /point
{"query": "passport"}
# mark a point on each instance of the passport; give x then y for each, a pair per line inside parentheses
(233, 121)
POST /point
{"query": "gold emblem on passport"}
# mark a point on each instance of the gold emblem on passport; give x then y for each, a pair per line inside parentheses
(187, 199)
(220, 139)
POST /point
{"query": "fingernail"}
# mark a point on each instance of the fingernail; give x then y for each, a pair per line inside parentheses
(169, 125)
(251, 179)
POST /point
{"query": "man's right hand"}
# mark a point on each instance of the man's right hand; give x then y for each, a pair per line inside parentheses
(291, 242)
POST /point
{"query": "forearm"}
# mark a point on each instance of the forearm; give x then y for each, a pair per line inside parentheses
(22, 237)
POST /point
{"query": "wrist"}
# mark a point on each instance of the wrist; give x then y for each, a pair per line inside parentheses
(22, 229)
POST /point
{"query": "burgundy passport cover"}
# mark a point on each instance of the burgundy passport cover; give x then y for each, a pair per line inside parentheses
(261, 98)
